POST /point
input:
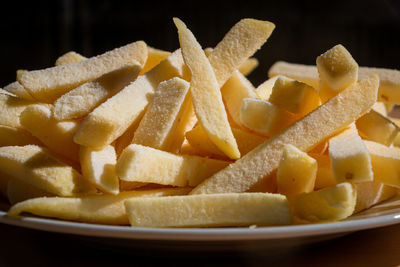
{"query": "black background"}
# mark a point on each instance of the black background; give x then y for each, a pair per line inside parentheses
(35, 33)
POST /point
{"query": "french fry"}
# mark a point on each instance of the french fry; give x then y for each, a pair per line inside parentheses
(103, 209)
(48, 84)
(349, 156)
(380, 107)
(325, 121)
(10, 136)
(112, 118)
(10, 109)
(18, 191)
(206, 95)
(82, 100)
(56, 135)
(264, 117)
(264, 90)
(154, 57)
(248, 66)
(34, 165)
(328, 204)
(388, 87)
(148, 165)
(376, 127)
(385, 163)
(294, 96)
(296, 172)
(209, 210)
(246, 141)
(234, 91)
(324, 172)
(17, 89)
(164, 123)
(69, 57)
(371, 193)
(129, 186)
(98, 166)
(4, 92)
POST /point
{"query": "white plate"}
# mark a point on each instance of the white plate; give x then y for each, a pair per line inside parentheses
(387, 213)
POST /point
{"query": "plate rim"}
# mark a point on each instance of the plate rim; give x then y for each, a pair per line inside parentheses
(200, 234)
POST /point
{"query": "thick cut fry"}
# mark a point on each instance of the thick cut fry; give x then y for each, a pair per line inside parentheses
(206, 94)
(389, 86)
(294, 96)
(82, 100)
(69, 57)
(10, 136)
(17, 89)
(10, 109)
(317, 126)
(371, 193)
(296, 172)
(18, 191)
(98, 166)
(264, 117)
(241, 42)
(234, 91)
(56, 135)
(264, 90)
(385, 163)
(163, 124)
(48, 84)
(33, 165)
(324, 173)
(209, 210)
(246, 141)
(349, 157)
(325, 205)
(104, 209)
(378, 128)
(147, 165)
(112, 118)
(154, 57)
(248, 66)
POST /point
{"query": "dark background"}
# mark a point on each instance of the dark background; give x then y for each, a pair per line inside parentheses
(35, 33)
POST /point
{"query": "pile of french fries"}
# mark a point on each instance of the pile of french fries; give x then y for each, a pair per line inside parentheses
(149, 138)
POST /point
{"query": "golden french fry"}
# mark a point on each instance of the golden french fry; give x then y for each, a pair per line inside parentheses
(10, 136)
(324, 172)
(112, 118)
(17, 89)
(48, 84)
(264, 90)
(209, 210)
(104, 209)
(248, 66)
(154, 57)
(18, 191)
(11, 108)
(69, 57)
(325, 121)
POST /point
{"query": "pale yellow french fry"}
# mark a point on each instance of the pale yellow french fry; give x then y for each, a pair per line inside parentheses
(264, 90)
(209, 210)
(297, 172)
(70, 57)
(126, 138)
(326, 205)
(324, 172)
(48, 84)
(206, 94)
(239, 43)
(327, 120)
(248, 66)
(104, 209)
(18, 191)
(154, 57)
(11, 108)
(380, 107)
(11, 136)
(264, 117)
(349, 156)
(112, 118)
(34, 165)
(246, 141)
(56, 135)
(163, 124)
(98, 166)
(372, 193)
(82, 100)
(234, 91)
(17, 89)
(294, 96)
(385, 163)
(378, 128)
(388, 87)
(148, 165)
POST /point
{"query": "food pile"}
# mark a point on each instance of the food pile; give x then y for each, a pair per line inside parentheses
(149, 138)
